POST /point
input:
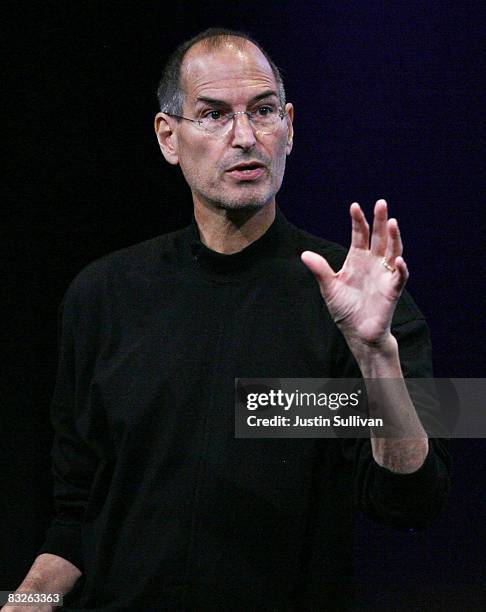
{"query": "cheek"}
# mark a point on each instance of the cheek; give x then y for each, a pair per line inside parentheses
(198, 161)
(280, 155)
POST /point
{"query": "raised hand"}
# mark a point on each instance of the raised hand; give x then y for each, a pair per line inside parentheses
(362, 296)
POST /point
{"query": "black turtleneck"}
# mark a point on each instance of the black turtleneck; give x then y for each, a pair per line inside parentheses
(157, 502)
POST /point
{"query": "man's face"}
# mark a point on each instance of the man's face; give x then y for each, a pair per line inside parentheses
(234, 77)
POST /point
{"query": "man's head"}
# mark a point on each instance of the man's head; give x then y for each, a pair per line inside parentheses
(229, 67)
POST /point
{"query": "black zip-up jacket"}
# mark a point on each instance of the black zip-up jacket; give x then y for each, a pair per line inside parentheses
(157, 502)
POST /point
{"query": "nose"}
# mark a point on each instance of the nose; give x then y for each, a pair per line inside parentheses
(243, 135)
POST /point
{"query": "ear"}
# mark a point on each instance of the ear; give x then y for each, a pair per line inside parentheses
(166, 137)
(290, 127)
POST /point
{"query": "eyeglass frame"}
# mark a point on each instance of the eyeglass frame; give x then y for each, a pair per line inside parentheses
(282, 113)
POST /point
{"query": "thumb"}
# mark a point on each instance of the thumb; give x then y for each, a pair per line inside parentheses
(318, 266)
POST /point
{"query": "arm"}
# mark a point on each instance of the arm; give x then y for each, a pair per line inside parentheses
(409, 499)
(361, 298)
(402, 481)
(74, 463)
(60, 560)
(48, 574)
(407, 453)
(406, 498)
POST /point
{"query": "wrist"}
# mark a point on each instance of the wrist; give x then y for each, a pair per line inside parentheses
(385, 347)
(377, 359)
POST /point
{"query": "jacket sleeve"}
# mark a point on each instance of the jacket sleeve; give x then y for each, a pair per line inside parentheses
(405, 501)
(73, 461)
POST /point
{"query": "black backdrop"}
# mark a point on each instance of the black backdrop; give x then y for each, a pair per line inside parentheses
(387, 104)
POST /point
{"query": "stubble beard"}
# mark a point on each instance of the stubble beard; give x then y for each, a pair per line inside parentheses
(249, 205)
(209, 195)
(242, 202)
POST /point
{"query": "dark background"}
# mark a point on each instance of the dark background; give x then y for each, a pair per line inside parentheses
(388, 103)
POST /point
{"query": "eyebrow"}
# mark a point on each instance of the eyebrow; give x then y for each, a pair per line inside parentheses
(260, 96)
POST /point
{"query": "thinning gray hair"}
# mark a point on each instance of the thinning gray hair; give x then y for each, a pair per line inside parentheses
(170, 93)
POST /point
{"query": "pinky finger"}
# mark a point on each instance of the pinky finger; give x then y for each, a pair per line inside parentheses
(402, 271)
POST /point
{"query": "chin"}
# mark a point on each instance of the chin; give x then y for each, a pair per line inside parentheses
(245, 205)
(241, 201)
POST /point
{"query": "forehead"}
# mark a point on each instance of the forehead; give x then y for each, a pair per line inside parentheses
(229, 73)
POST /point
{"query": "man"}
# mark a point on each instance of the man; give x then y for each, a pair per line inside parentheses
(158, 505)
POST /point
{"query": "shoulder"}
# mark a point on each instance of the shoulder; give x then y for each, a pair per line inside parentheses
(147, 259)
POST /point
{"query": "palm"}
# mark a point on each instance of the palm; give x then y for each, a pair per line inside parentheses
(361, 297)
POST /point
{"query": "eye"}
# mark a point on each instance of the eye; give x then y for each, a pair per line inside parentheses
(212, 114)
(264, 111)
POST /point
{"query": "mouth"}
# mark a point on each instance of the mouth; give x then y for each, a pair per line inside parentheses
(248, 171)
